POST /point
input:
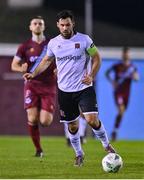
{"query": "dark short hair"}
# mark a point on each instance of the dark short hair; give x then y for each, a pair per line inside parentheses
(37, 17)
(65, 14)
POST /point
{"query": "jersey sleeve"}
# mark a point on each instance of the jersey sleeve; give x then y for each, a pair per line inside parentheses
(90, 46)
(20, 52)
(49, 49)
(39, 59)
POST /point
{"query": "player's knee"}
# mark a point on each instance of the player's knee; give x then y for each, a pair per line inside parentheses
(122, 109)
(33, 119)
(73, 128)
(93, 122)
(46, 122)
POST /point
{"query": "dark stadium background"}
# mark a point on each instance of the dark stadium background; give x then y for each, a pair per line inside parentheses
(115, 22)
(127, 13)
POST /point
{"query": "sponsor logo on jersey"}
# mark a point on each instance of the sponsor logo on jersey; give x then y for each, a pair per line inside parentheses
(70, 57)
(27, 97)
(33, 58)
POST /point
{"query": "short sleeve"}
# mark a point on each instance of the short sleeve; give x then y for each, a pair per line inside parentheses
(49, 49)
(88, 42)
(20, 52)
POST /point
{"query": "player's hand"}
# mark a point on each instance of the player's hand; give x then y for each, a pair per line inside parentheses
(24, 67)
(87, 79)
(28, 76)
(135, 76)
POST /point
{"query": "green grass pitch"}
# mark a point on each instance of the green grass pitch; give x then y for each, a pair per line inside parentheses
(17, 160)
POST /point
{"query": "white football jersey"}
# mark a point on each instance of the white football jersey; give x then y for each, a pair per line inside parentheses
(72, 60)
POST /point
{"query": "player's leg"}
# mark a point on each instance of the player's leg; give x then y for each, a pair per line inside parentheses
(89, 108)
(47, 106)
(99, 131)
(75, 142)
(82, 128)
(33, 120)
(119, 116)
(74, 138)
(46, 118)
(66, 134)
(121, 106)
(69, 112)
(31, 103)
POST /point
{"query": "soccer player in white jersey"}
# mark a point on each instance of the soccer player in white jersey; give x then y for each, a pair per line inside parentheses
(75, 75)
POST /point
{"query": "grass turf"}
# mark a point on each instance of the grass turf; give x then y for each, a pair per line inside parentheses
(17, 160)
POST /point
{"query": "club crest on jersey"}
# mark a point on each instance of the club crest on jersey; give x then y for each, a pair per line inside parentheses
(77, 45)
(28, 100)
(27, 97)
(33, 58)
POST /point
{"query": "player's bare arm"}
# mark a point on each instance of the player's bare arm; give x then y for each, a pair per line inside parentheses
(44, 64)
(96, 62)
(18, 66)
(112, 81)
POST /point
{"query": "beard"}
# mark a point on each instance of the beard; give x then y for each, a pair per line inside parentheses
(37, 33)
(67, 35)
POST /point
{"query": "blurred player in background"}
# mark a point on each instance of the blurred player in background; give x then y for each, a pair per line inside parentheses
(40, 92)
(75, 76)
(124, 72)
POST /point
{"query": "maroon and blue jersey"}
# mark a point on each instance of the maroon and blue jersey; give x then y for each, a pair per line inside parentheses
(123, 76)
(29, 52)
(39, 92)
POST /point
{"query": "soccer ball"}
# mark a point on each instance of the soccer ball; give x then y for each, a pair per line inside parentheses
(112, 162)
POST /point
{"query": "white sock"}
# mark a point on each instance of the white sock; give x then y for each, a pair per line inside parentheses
(66, 130)
(102, 135)
(76, 144)
(82, 126)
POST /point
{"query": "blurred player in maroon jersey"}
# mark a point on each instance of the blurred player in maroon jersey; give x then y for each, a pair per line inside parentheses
(39, 93)
(124, 73)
